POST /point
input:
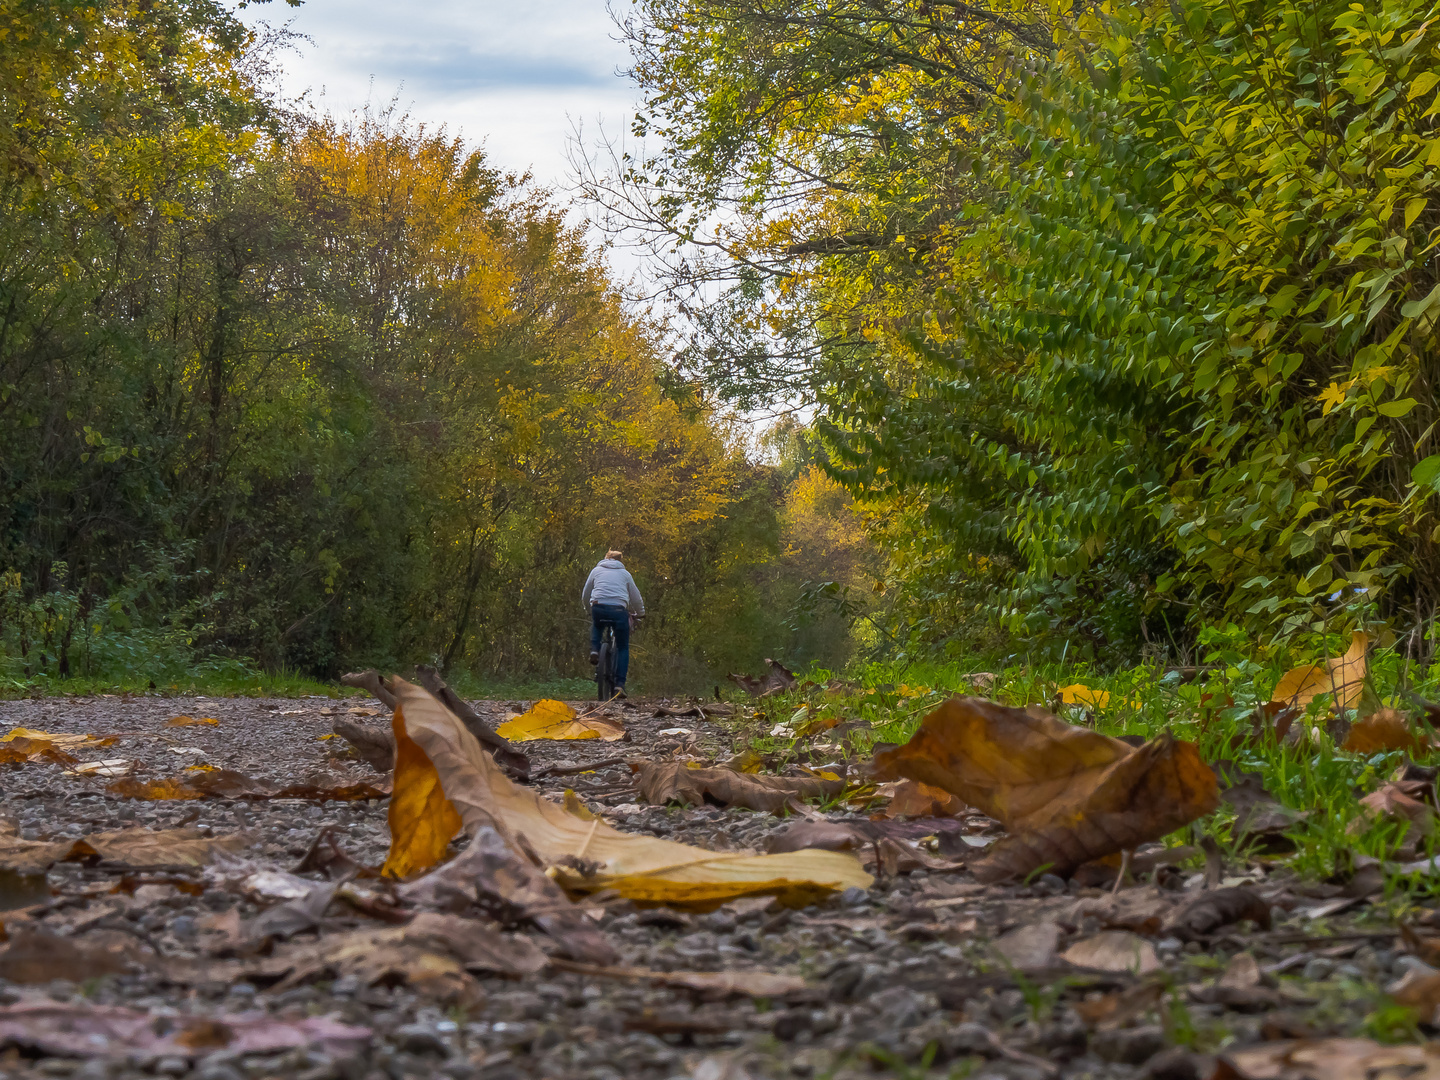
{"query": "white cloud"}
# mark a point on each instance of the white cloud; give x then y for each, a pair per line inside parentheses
(515, 76)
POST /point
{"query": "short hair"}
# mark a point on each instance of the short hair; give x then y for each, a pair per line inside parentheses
(613, 554)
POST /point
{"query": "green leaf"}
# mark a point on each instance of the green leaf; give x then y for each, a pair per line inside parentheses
(1422, 83)
(1426, 474)
(1397, 408)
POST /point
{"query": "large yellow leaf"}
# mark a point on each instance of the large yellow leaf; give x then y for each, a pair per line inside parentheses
(1344, 677)
(584, 856)
(1080, 694)
(422, 820)
(556, 720)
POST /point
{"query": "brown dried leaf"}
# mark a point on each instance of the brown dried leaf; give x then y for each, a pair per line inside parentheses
(1118, 1009)
(1066, 794)
(1387, 729)
(717, 983)
(1222, 907)
(1330, 1059)
(661, 782)
(914, 799)
(35, 956)
(1030, 948)
(373, 745)
(99, 1031)
(777, 679)
(1344, 677)
(1113, 950)
(1396, 800)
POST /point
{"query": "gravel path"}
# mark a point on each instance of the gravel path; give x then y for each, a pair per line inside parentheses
(902, 980)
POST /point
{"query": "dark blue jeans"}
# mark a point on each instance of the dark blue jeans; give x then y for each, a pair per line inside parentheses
(602, 615)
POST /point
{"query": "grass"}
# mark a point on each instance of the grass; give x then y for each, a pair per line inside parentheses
(1216, 712)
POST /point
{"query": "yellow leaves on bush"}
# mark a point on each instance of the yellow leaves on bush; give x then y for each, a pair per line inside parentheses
(1344, 677)
(1065, 793)
(556, 720)
(189, 721)
(457, 776)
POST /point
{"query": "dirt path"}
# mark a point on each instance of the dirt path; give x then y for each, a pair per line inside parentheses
(898, 978)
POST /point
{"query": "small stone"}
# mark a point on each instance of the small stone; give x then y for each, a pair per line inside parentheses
(172, 1066)
(968, 1039)
(1051, 883)
(1175, 1063)
(183, 926)
(219, 1070)
(94, 1069)
(421, 1039)
(1318, 968)
(1129, 1046)
(1169, 945)
(56, 1067)
(1406, 964)
(853, 896)
(1350, 971)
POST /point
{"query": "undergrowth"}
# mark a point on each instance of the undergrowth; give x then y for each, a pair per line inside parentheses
(1213, 707)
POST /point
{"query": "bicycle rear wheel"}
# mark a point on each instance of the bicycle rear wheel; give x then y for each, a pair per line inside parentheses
(605, 669)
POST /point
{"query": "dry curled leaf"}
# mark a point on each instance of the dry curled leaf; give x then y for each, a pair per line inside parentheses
(1396, 800)
(718, 983)
(1066, 794)
(779, 678)
(1221, 907)
(1386, 729)
(1330, 1059)
(911, 798)
(1344, 677)
(556, 720)
(82, 1030)
(442, 771)
(661, 782)
(1113, 950)
(190, 721)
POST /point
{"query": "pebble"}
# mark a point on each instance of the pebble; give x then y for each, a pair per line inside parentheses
(1319, 968)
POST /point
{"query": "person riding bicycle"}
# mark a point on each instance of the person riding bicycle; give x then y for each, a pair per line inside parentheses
(610, 595)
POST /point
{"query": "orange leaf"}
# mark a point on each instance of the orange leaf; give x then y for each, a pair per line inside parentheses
(914, 799)
(1066, 794)
(422, 820)
(188, 721)
(1344, 677)
(155, 790)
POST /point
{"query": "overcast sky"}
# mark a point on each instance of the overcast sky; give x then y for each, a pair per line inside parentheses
(513, 74)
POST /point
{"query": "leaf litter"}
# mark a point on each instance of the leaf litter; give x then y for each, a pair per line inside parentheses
(506, 949)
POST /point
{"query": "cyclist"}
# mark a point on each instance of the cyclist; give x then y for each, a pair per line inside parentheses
(610, 595)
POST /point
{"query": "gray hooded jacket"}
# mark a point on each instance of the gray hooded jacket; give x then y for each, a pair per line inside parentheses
(611, 583)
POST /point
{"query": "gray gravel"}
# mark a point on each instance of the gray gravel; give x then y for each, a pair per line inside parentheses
(898, 986)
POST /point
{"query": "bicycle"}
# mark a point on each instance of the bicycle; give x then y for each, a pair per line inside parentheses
(605, 666)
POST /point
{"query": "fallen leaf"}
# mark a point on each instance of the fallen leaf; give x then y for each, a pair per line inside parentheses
(447, 773)
(914, 799)
(1118, 1009)
(491, 877)
(121, 848)
(575, 806)
(1030, 948)
(1426, 947)
(1330, 1059)
(57, 739)
(35, 956)
(1142, 910)
(1080, 694)
(1219, 907)
(1066, 794)
(1418, 991)
(1386, 729)
(1396, 800)
(1113, 950)
(1241, 973)
(83, 1030)
(778, 679)
(432, 954)
(556, 720)
(720, 983)
(661, 782)
(1344, 677)
(373, 745)
(108, 768)
(190, 721)
(155, 790)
